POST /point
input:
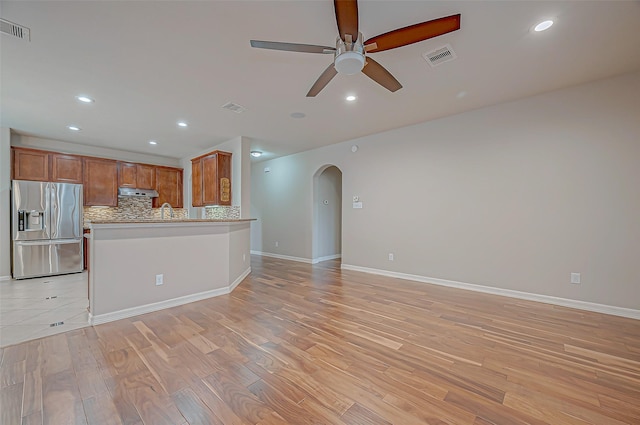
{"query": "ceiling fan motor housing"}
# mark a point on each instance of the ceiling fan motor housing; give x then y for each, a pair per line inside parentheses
(349, 58)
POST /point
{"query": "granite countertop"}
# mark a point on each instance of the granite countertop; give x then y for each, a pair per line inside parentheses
(169, 221)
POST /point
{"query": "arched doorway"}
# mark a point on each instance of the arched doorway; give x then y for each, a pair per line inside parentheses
(327, 214)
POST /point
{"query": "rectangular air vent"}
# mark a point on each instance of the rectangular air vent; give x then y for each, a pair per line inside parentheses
(440, 55)
(15, 30)
(234, 107)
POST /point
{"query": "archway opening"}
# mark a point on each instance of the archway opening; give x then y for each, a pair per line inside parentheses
(327, 220)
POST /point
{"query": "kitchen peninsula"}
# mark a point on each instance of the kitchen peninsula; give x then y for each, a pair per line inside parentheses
(136, 267)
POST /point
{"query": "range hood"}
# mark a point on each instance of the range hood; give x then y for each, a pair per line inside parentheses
(129, 191)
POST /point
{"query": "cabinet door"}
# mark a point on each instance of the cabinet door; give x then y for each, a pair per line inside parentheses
(100, 182)
(224, 178)
(196, 183)
(210, 180)
(30, 164)
(145, 176)
(66, 168)
(169, 187)
(127, 174)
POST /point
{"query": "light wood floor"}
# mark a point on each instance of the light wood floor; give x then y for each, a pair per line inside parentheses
(300, 344)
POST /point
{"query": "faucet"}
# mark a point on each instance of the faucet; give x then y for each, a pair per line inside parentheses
(166, 204)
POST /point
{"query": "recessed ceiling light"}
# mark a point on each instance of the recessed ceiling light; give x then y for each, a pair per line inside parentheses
(182, 124)
(85, 99)
(73, 127)
(256, 154)
(350, 98)
(544, 25)
(298, 115)
(153, 142)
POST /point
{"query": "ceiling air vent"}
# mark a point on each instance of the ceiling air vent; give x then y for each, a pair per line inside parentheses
(234, 107)
(15, 30)
(440, 55)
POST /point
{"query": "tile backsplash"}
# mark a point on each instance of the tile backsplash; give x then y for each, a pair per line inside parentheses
(222, 213)
(131, 208)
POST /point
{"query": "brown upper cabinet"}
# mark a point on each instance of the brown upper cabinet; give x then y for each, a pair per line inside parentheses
(66, 168)
(139, 176)
(146, 176)
(37, 165)
(29, 164)
(127, 174)
(100, 182)
(101, 177)
(211, 179)
(169, 186)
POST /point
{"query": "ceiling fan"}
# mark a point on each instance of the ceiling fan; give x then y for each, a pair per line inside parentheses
(351, 54)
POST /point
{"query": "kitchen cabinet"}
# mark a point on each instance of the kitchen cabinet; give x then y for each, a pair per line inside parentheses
(138, 176)
(30, 164)
(169, 186)
(66, 168)
(100, 182)
(127, 174)
(44, 166)
(211, 179)
(146, 176)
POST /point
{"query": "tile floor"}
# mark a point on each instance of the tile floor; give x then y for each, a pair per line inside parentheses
(28, 307)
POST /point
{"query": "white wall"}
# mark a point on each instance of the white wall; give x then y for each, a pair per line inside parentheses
(5, 203)
(514, 196)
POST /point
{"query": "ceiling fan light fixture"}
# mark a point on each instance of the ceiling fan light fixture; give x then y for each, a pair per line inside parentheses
(349, 63)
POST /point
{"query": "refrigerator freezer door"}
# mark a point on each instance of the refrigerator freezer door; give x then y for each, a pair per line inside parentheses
(66, 210)
(30, 206)
(45, 258)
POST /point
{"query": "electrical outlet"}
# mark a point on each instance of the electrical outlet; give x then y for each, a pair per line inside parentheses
(575, 278)
(277, 244)
(159, 279)
(391, 256)
(244, 257)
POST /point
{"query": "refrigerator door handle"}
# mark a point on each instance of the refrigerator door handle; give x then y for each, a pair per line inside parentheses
(46, 242)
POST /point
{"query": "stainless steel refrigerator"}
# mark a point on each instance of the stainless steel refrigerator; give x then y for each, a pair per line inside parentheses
(46, 223)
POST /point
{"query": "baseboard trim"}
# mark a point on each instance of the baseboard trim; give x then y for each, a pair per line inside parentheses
(174, 302)
(564, 302)
(283, 257)
(325, 258)
(5, 278)
(239, 279)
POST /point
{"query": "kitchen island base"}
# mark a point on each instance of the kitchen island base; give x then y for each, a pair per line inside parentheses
(140, 267)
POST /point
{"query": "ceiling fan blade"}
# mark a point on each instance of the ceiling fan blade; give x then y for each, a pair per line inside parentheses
(414, 33)
(292, 47)
(322, 81)
(347, 17)
(380, 75)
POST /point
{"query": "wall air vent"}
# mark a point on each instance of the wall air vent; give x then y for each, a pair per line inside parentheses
(440, 55)
(15, 30)
(234, 107)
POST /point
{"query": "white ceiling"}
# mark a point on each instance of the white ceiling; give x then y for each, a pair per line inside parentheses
(149, 64)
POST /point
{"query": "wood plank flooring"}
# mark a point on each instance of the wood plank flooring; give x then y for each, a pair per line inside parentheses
(301, 344)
